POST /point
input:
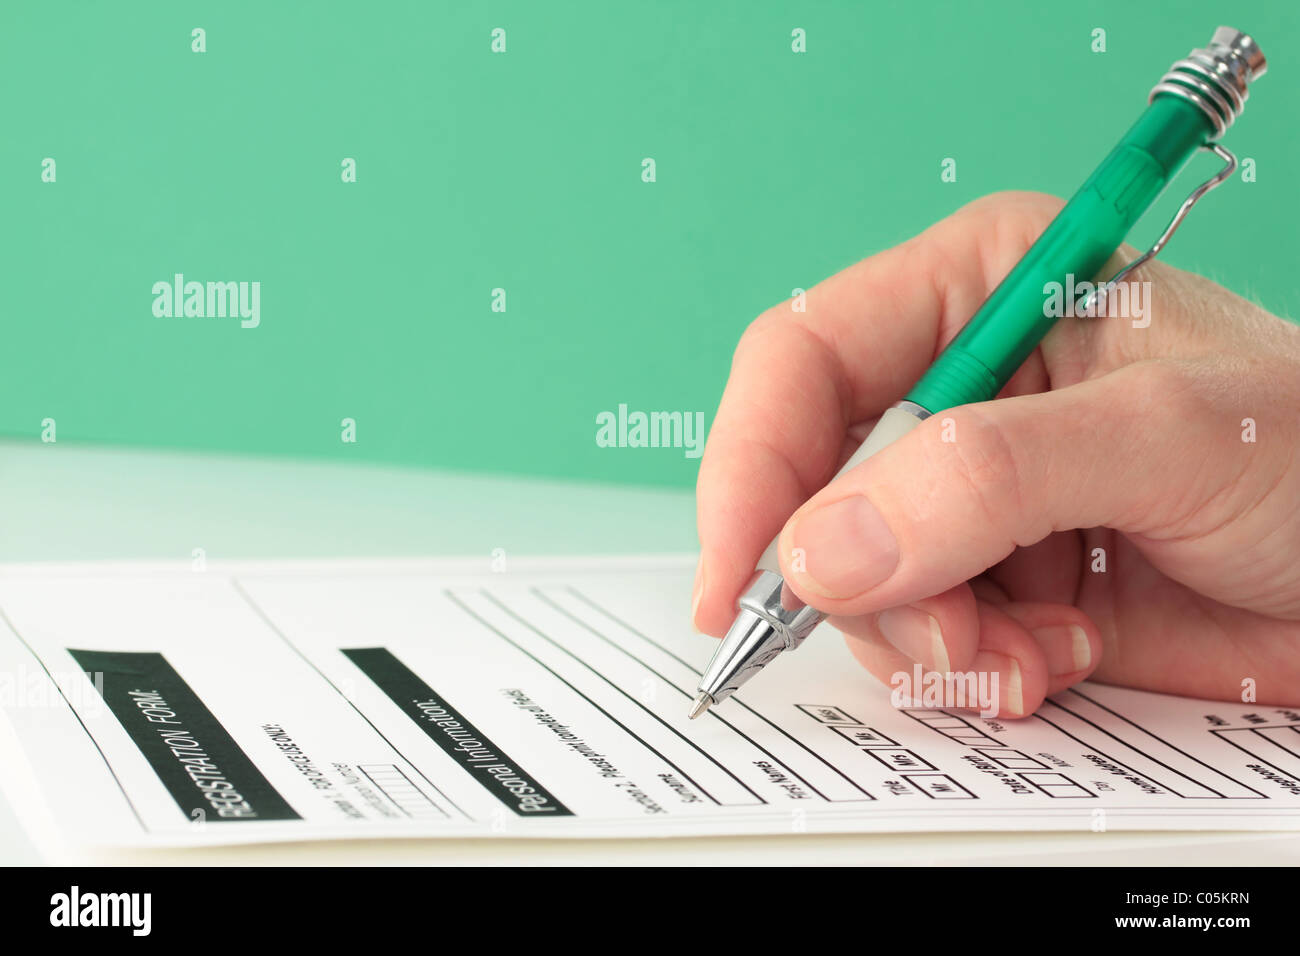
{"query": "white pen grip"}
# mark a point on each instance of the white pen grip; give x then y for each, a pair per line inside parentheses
(893, 425)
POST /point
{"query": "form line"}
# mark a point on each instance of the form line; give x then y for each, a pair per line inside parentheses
(560, 647)
(734, 697)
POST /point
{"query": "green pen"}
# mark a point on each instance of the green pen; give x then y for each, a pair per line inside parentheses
(1188, 110)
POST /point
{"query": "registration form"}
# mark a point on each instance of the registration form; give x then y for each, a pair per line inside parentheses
(169, 705)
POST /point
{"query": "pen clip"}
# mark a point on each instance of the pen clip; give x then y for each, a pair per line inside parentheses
(1230, 166)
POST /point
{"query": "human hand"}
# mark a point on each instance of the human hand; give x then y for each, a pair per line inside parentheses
(1112, 515)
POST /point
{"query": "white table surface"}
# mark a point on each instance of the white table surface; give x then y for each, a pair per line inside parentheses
(59, 502)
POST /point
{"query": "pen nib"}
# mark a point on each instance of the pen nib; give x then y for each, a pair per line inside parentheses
(702, 703)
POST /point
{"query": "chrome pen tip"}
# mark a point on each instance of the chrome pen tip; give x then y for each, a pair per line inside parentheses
(702, 703)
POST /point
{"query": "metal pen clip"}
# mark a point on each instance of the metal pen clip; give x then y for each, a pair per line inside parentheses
(1215, 80)
(1229, 168)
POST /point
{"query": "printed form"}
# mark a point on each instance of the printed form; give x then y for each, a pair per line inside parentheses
(157, 705)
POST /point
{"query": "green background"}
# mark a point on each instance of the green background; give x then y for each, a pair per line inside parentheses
(523, 171)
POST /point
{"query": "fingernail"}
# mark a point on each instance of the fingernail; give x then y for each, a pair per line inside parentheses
(917, 634)
(846, 546)
(1011, 694)
(1066, 648)
(698, 594)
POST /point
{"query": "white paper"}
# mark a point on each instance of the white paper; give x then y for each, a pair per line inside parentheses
(546, 698)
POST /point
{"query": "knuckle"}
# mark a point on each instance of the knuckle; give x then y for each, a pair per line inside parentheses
(769, 320)
(1161, 382)
(1017, 217)
(986, 464)
(1163, 391)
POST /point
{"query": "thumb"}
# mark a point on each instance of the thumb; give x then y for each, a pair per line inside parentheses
(964, 489)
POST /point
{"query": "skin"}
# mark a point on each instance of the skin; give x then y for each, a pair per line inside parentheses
(980, 553)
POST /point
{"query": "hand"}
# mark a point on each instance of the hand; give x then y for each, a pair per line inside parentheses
(1127, 510)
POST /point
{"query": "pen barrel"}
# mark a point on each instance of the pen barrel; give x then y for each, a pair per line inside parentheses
(1093, 224)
